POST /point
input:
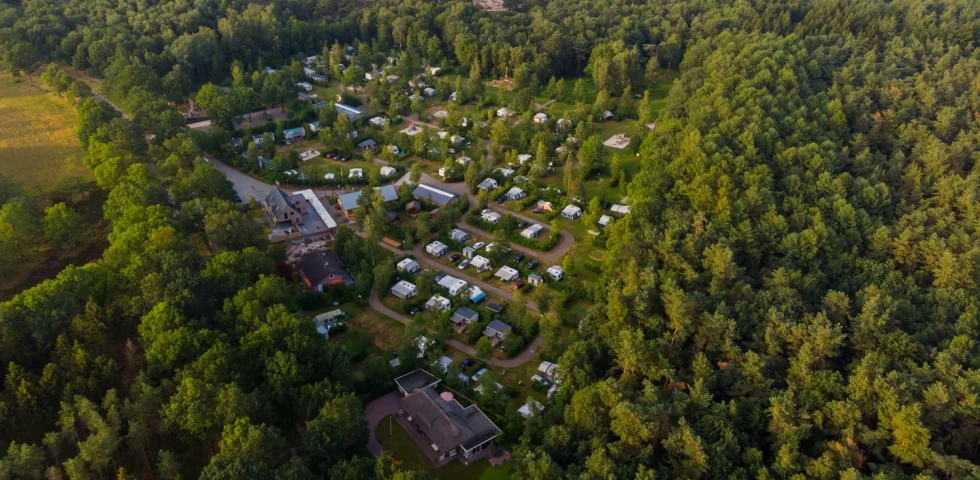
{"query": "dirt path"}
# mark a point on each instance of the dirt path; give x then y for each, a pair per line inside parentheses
(522, 358)
(555, 255)
(415, 119)
(541, 106)
(422, 257)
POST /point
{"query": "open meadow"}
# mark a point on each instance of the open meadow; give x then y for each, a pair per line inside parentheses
(36, 135)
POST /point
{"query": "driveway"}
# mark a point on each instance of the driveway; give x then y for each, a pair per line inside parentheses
(519, 360)
(245, 185)
(376, 411)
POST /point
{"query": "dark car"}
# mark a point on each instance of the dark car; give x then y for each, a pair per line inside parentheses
(344, 158)
(605, 204)
(532, 263)
(455, 258)
(414, 310)
(331, 155)
(522, 224)
(537, 211)
(467, 363)
(519, 258)
(518, 285)
(500, 199)
(440, 276)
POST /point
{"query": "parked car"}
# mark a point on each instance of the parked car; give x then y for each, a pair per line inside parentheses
(465, 263)
(519, 258)
(476, 376)
(485, 211)
(531, 264)
(518, 285)
(478, 245)
(344, 158)
(537, 211)
(331, 155)
(605, 204)
(413, 311)
(440, 276)
(338, 326)
(500, 199)
(466, 363)
(455, 258)
(521, 224)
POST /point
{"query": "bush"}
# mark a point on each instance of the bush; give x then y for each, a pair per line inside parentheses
(514, 344)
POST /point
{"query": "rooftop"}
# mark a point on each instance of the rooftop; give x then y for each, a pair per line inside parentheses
(416, 379)
(318, 266)
(435, 195)
(348, 201)
(445, 422)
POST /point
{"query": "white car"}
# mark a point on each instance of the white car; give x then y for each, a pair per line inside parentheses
(485, 211)
(476, 376)
(465, 263)
(478, 245)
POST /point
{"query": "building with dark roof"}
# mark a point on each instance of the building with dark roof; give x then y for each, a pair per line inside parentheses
(415, 380)
(323, 269)
(464, 315)
(452, 429)
(284, 208)
(496, 330)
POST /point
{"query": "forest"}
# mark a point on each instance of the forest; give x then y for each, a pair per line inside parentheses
(795, 293)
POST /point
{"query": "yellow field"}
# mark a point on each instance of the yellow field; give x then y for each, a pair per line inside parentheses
(37, 134)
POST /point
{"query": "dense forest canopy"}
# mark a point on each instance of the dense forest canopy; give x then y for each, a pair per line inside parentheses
(793, 295)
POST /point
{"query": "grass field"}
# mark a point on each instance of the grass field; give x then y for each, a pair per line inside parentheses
(37, 134)
(406, 452)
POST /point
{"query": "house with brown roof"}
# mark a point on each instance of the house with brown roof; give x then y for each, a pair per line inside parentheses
(323, 269)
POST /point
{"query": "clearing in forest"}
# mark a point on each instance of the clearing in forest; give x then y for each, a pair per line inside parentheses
(37, 134)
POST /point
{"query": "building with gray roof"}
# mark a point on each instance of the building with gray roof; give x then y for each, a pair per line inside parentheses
(435, 195)
(348, 201)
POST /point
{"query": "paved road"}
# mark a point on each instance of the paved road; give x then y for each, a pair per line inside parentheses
(376, 411)
(517, 361)
(245, 185)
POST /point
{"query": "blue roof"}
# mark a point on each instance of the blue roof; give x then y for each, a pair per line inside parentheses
(293, 130)
(348, 110)
(479, 296)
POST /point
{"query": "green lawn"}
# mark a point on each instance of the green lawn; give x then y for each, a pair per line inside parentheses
(38, 136)
(404, 450)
